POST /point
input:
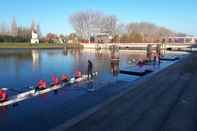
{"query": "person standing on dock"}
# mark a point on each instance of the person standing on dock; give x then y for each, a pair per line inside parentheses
(158, 51)
(90, 67)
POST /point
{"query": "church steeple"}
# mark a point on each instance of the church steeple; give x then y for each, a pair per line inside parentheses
(34, 39)
(33, 26)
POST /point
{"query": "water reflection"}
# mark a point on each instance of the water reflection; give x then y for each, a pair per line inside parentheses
(115, 67)
(35, 59)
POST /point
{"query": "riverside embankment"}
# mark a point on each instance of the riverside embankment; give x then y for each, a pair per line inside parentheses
(165, 101)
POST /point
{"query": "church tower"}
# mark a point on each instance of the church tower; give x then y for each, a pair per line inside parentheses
(34, 34)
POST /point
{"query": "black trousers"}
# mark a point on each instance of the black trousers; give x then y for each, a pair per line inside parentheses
(90, 74)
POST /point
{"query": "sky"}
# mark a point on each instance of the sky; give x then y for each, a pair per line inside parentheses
(53, 15)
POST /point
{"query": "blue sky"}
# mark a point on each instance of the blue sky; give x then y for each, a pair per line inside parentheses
(53, 15)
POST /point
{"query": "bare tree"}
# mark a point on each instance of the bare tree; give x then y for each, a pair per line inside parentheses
(39, 31)
(24, 32)
(14, 28)
(109, 24)
(33, 25)
(87, 23)
(121, 29)
(4, 30)
(1, 30)
(150, 32)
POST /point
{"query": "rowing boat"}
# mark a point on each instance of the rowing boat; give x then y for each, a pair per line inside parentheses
(29, 94)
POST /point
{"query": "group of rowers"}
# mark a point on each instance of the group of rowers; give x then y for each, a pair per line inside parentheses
(42, 84)
(156, 59)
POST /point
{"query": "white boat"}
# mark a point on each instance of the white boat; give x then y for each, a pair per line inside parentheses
(29, 94)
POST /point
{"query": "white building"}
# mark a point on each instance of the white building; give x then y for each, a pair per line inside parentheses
(34, 39)
(34, 33)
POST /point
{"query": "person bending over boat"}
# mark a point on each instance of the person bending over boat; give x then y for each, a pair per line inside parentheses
(42, 84)
(90, 67)
(3, 95)
(65, 78)
(141, 63)
(78, 74)
(55, 81)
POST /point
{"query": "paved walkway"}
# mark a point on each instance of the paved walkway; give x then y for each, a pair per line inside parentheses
(164, 102)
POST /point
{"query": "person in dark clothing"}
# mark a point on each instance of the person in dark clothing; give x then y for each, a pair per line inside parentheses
(90, 67)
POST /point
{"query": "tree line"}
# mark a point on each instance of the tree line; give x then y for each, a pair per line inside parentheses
(88, 24)
(15, 33)
(91, 23)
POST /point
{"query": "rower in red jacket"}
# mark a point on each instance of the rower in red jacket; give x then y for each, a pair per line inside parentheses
(42, 84)
(65, 78)
(78, 74)
(55, 80)
(3, 95)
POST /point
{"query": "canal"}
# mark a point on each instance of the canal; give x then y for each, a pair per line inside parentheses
(20, 69)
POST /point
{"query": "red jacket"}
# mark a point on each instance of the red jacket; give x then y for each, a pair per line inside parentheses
(42, 84)
(65, 78)
(78, 74)
(55, 80)
(3, 95)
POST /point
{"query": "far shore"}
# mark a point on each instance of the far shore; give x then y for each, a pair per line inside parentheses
(31, 46)
(122, 46)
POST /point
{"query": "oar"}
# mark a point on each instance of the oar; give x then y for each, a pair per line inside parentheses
(14, 90)
(17, 90)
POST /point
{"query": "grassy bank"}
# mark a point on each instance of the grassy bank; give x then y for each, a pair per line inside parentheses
(30, 46)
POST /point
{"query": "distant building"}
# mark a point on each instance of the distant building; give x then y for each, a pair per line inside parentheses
(34, 33)
(182, 39)
(102, 38)
(34, 39)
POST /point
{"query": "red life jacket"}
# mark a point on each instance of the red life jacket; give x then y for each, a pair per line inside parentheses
(55, 80)
(65, 78)
(3, 95)
(77, 74)
(42, 84)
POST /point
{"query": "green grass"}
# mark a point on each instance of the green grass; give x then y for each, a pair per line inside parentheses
(30, 46)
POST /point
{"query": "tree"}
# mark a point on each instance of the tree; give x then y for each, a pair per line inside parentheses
(109, 24)
(124, 38)
(121, 29)
(4, 30)
(51, 38)
(151, 32)
(88, 23)
(14, 28)
(33, 25)
(25, 33)
(39, 31)
(135, 38)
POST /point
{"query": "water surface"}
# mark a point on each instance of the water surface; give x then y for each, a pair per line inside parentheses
(19, 69)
